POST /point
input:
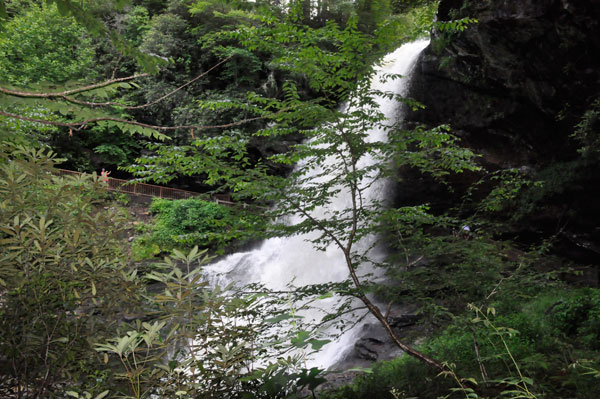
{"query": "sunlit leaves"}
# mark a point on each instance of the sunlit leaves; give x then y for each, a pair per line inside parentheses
(455, 25)
(40, 45)
(180, 224)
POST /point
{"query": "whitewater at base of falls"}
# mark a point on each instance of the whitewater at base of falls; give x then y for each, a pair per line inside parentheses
(278, 261)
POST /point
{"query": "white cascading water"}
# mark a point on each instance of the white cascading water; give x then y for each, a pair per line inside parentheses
(278, 261)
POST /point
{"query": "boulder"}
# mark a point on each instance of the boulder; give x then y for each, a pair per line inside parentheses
(374, 343)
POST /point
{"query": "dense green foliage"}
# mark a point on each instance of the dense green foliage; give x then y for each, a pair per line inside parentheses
(194, 38)
(77, 319)
(40, 45)
(548, 337)
(63, 281)
(183, 224)
(238, 86)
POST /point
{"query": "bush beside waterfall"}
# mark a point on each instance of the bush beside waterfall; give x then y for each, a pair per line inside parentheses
(183, 224)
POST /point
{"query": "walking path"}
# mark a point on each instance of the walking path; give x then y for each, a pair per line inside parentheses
(152, 190)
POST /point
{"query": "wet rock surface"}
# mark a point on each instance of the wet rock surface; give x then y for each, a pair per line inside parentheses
(374, 343)
(514, 84)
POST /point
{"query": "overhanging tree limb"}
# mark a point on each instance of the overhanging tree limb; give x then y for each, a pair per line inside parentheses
(66, 95)
(82, 124)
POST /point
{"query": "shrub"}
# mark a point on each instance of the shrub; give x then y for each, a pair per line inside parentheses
(183, 224)
(577, 317)
(552, 338)
(63, 281)
(66, 292)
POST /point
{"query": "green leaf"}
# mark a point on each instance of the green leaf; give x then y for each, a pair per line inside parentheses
(317, 344)
(3, 13)
(300, 340)
(102, 394)
(122, 344)
(192, 253)
(471, 380)
(527, 380)
(327, 295)
(179, 255)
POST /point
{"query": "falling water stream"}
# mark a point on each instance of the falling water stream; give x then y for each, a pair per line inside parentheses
(278, 261)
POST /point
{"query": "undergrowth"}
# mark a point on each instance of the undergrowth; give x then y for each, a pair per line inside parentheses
(545, 346)
(183, 224)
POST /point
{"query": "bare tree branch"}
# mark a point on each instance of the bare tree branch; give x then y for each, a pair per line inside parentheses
(182, 86)
(82, 124)
(64, 94)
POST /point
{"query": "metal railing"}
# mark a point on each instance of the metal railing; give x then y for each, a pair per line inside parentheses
(148, 190)
(152, 190)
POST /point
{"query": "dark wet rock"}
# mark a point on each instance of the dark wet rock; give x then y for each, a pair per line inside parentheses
(374, 343)
(513, 85)
(369, 348)
(403, 320)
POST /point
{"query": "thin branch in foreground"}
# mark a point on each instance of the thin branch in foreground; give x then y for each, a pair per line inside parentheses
(84, 123)
(130, 107)
(182, 86)
(373, 309)
(66, 94)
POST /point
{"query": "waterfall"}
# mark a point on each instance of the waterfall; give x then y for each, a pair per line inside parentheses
(280, 260)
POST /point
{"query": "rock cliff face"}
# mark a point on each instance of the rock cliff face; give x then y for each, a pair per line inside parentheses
(513, 87)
